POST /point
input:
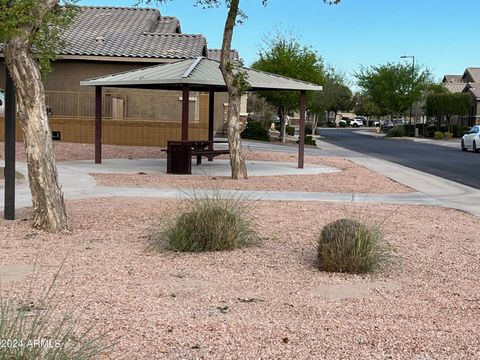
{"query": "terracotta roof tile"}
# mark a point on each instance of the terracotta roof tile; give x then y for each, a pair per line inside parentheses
(453, 78)
(455, 87)
(214, 54)
(129, 32)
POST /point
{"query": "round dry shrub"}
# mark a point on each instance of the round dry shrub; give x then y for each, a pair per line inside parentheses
(212, 223)
(347, 245)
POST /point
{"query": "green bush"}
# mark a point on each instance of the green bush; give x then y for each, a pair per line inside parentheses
(212, 223)
(41, 331)
(459, 131)
(443, 128)
(409, 130)
(438, 135)
(447, 135)
(396, 131)
(422, 129)
(456, 130)
(309, 140)
(255, 131)
(347, 245)
(430, 131)
(308, 129)
(342, 124)
(290, 130)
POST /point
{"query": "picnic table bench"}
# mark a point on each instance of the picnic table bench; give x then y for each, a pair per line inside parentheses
(205, 148)
(180, 152)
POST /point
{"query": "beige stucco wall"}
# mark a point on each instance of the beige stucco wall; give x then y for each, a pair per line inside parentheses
(67, 99)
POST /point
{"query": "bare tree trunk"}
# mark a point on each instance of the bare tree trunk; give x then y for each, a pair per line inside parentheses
(283, 123)
(314, 123)
(237, 161)
(48, 204)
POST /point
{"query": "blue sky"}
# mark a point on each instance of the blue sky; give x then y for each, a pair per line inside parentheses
(441, 34)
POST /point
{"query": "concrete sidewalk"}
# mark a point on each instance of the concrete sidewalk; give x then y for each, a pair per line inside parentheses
(454, 142)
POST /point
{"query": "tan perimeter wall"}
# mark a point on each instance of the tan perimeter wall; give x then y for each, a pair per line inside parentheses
(119, 132)
(124, 132)
(69, 101)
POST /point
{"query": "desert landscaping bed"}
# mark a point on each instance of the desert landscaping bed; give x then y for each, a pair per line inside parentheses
(263, 301)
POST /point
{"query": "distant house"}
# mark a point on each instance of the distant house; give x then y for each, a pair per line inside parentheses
(106, 40)
(469, 83)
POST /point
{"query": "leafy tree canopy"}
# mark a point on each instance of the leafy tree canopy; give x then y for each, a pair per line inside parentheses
(394, 87)
(46, 24)
(448, 104)
(285, 56)
(336, 95)
(364, 106)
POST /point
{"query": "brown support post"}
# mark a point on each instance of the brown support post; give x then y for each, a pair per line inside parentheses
(301, 140)
(211, 117)
(98, 124)
(10, 123)
(185, 108)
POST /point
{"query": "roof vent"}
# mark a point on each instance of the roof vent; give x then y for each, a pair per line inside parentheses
(99, 39)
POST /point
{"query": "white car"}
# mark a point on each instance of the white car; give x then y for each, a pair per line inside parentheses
(356, 122)
(472, 139)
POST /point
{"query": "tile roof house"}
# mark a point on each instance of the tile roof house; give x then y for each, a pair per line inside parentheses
(469, 82)
(106, 40)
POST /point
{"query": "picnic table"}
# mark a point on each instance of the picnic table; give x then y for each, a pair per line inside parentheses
(179, 154)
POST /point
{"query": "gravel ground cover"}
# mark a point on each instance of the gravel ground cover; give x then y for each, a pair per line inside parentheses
(73, 151)
(266, 301)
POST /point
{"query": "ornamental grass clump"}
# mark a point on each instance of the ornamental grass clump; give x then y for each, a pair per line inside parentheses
(38, 329)
(212, 223)
(350, 246)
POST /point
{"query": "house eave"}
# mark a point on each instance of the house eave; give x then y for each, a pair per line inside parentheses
(118, 59)
(113, 58)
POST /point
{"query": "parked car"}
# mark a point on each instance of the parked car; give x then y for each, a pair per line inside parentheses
(276, 119)
(356, 122)
(398, 122)
(387, 125)
(471, 140)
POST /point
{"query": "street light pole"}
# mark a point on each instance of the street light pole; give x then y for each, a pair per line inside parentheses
(413, 76)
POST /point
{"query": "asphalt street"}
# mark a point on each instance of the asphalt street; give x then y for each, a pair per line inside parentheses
(447, 162)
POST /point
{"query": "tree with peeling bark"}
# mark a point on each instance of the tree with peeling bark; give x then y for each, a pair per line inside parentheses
(30, 33)
(235, 81)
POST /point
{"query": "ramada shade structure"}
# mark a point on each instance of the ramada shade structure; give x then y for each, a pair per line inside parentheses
(199, 74)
